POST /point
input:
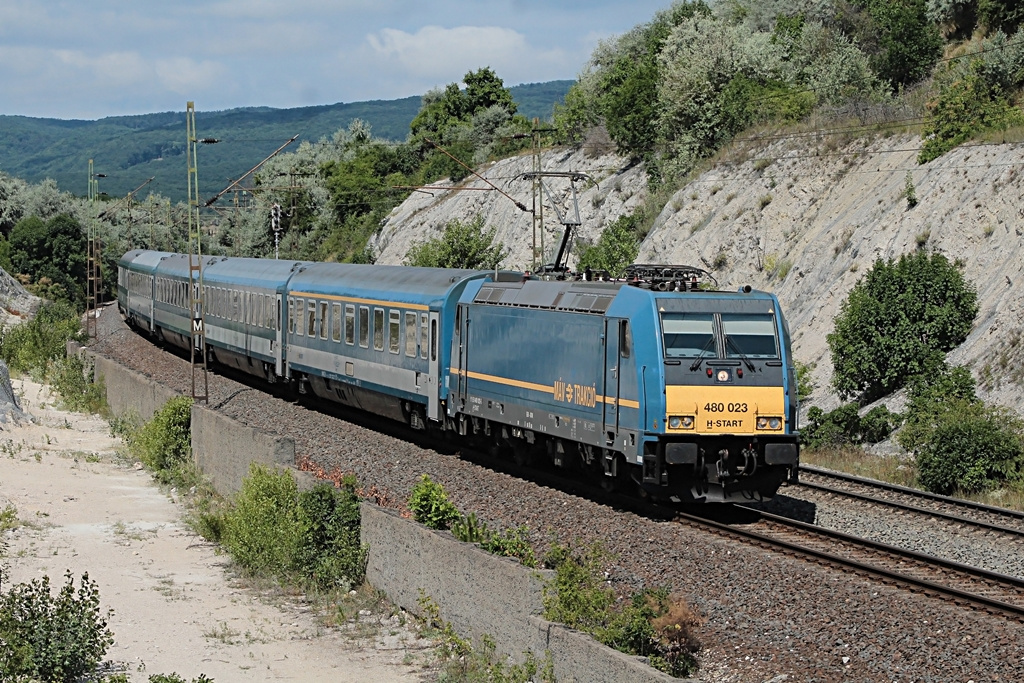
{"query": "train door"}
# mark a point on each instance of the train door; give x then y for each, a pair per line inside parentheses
(433, 367)
(614, 334)
(278, 346)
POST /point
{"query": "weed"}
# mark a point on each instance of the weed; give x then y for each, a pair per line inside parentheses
(921, 239)
(52, 638)
(9, 518)
(909, 192)
(223, 633)
(72, 378)
(729, 197)
(715, 189)
(721, 260)
(988, 230)
(164, 444)
(764, 201)
(761, 164)
(652, 623)
(430, 505)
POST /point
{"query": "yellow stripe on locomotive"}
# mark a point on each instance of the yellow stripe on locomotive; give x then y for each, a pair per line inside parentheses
(724, 410)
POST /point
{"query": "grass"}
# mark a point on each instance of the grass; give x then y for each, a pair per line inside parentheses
(898, 470)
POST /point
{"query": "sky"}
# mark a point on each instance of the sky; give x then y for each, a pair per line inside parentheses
(88, 59)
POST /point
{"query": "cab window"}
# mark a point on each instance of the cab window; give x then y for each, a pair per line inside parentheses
(750, 335)
(687, 335)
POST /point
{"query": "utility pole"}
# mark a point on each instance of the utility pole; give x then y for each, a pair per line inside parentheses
(93, 273)
(195, 267)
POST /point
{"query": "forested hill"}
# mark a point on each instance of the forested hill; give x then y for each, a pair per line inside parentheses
(130, 149)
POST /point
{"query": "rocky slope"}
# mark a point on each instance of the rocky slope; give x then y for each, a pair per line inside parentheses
(805, 218)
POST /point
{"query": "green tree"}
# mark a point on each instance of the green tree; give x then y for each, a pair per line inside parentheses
(1001, 15)
(52, 252)
(966, 107)
(462, 245)
(896, 320)
(615, 249)
(902, 41)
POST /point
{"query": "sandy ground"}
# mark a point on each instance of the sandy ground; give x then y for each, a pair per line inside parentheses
(177, 606)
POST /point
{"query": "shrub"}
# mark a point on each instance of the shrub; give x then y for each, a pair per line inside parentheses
(972, 448)
(804, 385)
(330, 553)
(512, 543)
(896, 321)
(430, 505)
(650, 624)
(930, 395)
(845, 426)
(71, 378)
(52, 638)
(164, 444)
(462, 245)
(615, 249)
(32, 345)
(262, 530)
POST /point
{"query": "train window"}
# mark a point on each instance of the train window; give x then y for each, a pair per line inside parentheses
(296, 324)
(364, 326)
(277, 314)
(236, 306)
(336, 322)
(378, 329)
(750, 335)
(625, 340)
(394, 330)
(410, 335)
(323, 320)
(433, 340)
(350, 324)
(688, 335)
(423, 335)
(311, 318)
(261, 310)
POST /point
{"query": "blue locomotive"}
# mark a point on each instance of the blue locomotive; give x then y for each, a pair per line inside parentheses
(653, 382)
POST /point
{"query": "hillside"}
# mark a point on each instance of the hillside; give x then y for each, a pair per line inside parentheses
(130, 149)
(803, 222)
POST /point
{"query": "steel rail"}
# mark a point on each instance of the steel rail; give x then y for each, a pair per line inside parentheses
(918, 494)
(991, 604)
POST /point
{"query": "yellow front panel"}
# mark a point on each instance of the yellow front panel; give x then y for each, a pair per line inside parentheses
(725, 409)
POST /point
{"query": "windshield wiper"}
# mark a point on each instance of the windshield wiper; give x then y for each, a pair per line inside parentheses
(700, 356)
(736, 348)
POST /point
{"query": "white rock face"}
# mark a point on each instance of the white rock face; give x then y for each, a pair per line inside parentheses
(617, 189)
(804, 219)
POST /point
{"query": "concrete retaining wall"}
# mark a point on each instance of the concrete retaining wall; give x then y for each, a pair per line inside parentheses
(130, 391)
(478, 593)
(483, 594)
(224, 448)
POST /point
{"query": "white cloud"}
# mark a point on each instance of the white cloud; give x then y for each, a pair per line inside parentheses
(437, 52)
(186, 76)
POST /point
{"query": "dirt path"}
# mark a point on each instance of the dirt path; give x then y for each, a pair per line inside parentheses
(176, 607)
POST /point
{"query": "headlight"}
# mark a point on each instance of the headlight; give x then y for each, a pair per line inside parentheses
(771, 423)
(680, 422)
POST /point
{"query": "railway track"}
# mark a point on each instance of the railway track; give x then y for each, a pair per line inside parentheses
(959, 583)
(964, 512)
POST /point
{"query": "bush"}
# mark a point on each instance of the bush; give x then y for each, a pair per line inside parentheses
(47, 638)
(930, 396)
(164, 444)
(972, 448)
(616, 248)
(330, 554)
(262, 531)
(651, 624)
(845, 426)
(897, 321)
(430, 505)
(462, 245)
(273, 530)
(71, 378)
(32, 345)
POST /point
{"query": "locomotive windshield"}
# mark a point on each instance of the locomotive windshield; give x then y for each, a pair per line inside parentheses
(688, 335)
(750, 335)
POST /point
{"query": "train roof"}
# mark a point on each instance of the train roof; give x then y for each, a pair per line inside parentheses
(143, 259)
(598, 297)
(250, 272)
(403, 284)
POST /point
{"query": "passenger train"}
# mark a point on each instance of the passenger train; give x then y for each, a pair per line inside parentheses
(650, 383)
